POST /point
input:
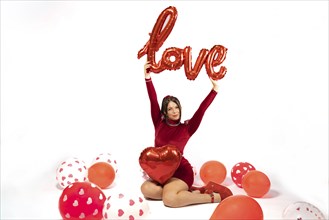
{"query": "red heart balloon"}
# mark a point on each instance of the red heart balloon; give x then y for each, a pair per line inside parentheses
(160, 163)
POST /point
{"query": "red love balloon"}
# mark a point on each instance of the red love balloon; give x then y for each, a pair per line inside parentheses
(215, 57)
(192, 72)
(161, 30)
(168, 54)
(173, 58)
(160, 163)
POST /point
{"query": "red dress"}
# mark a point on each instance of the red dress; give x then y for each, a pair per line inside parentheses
(176, 134)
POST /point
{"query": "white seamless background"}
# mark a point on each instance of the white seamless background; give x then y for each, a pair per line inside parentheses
(71, 85)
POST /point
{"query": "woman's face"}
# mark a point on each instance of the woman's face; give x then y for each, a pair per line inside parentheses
(173, 112)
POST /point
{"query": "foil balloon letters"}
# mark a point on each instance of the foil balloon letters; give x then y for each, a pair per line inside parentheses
(161, 30)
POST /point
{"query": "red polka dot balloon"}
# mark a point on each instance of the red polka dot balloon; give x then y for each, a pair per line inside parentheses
(82, 200)
(122, 206)
(239, 170)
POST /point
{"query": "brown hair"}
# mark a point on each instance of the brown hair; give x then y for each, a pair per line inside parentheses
(165, 102)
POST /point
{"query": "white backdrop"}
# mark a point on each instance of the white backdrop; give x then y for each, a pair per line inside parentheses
(71, 85)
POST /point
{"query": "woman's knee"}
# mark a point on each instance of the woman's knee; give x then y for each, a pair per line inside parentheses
(144, 187)
(151, 190)
(173, 193)
(170, 200)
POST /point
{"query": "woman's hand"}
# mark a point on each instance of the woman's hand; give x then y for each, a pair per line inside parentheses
(147, 74)
(214, 84)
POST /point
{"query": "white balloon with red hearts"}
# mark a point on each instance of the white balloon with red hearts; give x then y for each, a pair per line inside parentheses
(197, 180)
(302, 210)
(144, 175)
(195, 170)
(70, 171)
(123, 206)
(108, 158)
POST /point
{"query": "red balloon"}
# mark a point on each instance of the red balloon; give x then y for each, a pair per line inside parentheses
(160, 163)
(168, 54)
(256, 184)
(158, 35)
(161, 30)
(213, 171)
(82, 200)
(102, 174)
(215, 57)
(239, 170)
(192, 73)
(238, 207)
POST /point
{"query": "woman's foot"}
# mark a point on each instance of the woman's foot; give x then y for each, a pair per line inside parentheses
(223, 191)
(216, 199)
(196, 191)
(212, 188)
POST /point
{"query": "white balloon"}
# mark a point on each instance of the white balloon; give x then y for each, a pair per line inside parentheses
(123, 206)
(144, 175)
(302, 211)
(70, 171)
(108, 158)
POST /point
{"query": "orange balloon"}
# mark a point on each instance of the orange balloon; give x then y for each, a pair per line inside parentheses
(238, 207)
(213, 171)
(256, 184)
(102, 174)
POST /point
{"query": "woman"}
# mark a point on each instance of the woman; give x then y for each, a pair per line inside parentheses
(178, 190)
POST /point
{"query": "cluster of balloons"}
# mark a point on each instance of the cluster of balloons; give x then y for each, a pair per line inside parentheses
(83, 198)
(243, 174)
(256, 184)
(102, 171)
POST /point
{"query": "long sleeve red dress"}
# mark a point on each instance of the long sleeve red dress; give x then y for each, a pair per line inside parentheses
(175, 132)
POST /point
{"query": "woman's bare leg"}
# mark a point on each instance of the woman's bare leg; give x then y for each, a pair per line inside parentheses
(176, 194)
(151, 190)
